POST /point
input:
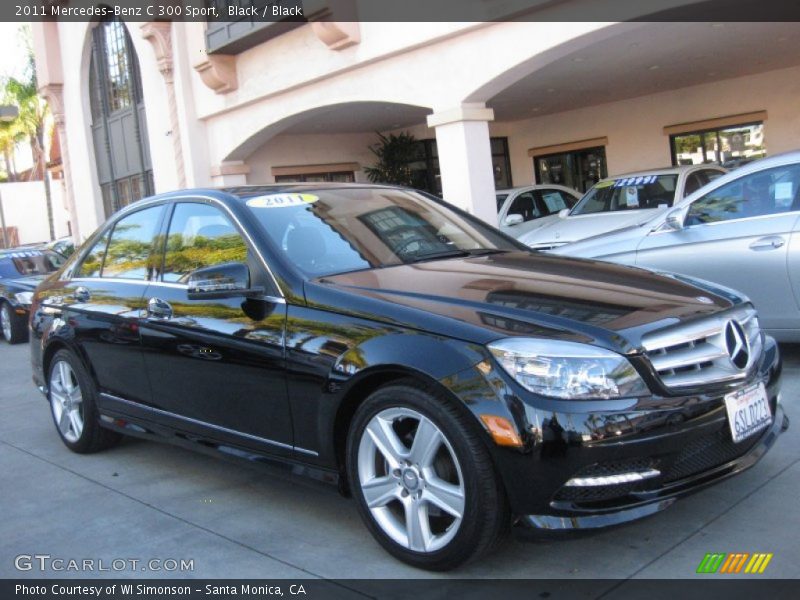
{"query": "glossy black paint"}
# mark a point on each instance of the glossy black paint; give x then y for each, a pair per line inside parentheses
(276, 377)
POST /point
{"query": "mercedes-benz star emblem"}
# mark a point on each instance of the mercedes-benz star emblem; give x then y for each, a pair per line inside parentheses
(737, 344)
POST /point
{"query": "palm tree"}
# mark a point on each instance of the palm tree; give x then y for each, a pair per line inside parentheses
(23, 92)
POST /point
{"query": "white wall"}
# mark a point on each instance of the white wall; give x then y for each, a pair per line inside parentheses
(634, 127)
(311, 149)
(25, 208)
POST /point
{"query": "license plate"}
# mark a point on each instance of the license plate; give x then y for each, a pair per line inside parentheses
(748, 411)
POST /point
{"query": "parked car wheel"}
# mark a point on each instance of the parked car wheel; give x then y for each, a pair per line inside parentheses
(423, 480)
(14, 327)
(72, 403)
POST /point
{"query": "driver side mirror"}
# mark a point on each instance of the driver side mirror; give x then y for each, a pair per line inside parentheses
(563, 213)
(513, 219)
(227, 280)
(675, 219)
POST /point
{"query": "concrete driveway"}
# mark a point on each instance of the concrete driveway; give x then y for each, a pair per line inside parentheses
(147, 501)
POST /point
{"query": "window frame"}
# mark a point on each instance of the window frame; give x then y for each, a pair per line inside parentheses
(153, 245)
(72, 271)
(739, 180)
(702, 134)
(256, 258)
(166, 230)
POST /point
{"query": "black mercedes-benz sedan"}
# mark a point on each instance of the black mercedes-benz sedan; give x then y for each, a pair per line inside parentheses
(21, 270)
(449, 379)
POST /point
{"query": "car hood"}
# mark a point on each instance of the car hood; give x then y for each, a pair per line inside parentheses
(25, 283)
(530, 294)
(614, 245)
(574, 228)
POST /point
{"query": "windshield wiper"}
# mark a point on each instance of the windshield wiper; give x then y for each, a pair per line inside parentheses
(455, 254)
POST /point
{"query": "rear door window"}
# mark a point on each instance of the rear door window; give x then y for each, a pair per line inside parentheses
(129, 252)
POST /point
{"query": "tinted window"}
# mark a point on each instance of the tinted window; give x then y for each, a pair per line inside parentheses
(524, 205)
(29, 262)
(555, 201)
(200, 236)
(334, 231)
(93, 262)
(501, 198)
(763, 193)
(693, 183)
(711, 175)
(628, 193)
(129, 250)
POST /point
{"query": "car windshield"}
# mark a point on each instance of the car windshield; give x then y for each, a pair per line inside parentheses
(16, 263)
(628, 193)
(327, 232)
(500, 199)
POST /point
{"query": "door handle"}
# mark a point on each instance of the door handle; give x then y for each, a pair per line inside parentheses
(771, 242)
(82, 294)
(159, 309)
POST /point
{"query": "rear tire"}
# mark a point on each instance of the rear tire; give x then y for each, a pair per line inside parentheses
(423, 479)
(72, 397)
(13, 326)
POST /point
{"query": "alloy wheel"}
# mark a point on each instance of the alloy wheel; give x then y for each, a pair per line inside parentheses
(5, 318)
(66, 401)
(411, 479)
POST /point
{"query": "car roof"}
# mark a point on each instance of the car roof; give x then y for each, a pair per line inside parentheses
(676, 170)
(248, 191)
(537, 186)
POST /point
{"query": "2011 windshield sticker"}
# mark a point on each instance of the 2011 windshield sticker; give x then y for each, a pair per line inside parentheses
(281, 200)
(640, 180)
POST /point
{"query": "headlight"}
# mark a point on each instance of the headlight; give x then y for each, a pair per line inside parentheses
(25, 298)
(567, 369)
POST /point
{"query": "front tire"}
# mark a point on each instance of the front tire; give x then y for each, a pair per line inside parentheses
(14, 327)
(72, 403)
(422, 478)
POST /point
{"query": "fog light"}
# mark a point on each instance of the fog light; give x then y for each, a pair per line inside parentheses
(613, 479)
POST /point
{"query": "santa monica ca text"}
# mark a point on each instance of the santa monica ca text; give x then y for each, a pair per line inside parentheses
(140, 589)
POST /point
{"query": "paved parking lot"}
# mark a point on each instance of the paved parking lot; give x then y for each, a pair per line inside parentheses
(144, 500)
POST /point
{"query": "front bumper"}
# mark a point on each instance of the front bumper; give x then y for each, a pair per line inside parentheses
(656, 497)
(686, 439)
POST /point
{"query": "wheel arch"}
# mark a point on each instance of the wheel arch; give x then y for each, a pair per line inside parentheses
(370, 381)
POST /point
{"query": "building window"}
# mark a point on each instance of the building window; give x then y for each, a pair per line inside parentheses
(426, 174)
(119, 123)
(234, 33)
(117, 67)
(578, 169)
(727, 146)
(334, 176)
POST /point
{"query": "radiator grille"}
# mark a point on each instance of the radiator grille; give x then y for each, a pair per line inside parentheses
(706, 351)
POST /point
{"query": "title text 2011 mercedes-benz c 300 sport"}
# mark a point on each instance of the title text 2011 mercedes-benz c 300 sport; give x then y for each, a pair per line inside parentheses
(451, 380)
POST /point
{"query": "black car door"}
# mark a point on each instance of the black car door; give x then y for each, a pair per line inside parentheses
(216, 365)
(102, 301)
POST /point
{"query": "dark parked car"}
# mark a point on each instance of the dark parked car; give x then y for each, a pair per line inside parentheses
(451, 380)
(21, 270)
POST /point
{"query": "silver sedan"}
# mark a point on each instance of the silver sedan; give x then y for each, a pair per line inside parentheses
(741, 231)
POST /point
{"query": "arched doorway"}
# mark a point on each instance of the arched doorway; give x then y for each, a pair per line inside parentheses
(119, 124)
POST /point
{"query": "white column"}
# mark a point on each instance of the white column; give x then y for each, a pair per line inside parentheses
(465, 158)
